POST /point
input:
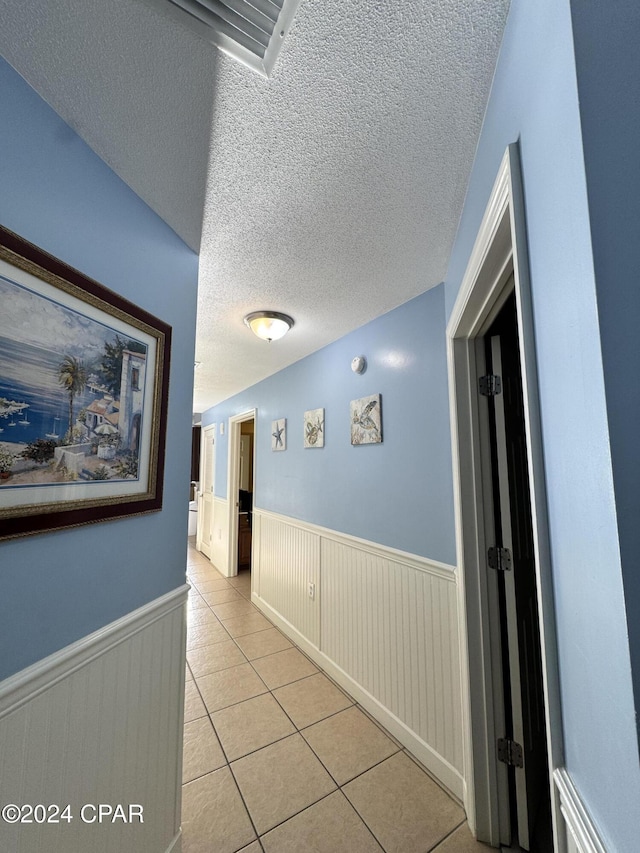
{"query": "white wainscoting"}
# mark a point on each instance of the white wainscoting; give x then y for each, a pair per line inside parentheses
(383, 623)
(219, 548)
(100, 722)
(578, 832)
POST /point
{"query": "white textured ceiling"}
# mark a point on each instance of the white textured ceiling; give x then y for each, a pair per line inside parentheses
(331, 191)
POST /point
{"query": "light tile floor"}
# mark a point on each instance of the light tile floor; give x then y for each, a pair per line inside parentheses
(278, 759)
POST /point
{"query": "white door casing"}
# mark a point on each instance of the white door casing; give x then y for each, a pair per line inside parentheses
(233, 486)
(500, 248)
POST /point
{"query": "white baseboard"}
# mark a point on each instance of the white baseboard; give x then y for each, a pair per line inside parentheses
(435, 763)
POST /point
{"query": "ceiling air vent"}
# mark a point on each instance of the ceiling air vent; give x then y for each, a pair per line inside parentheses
(251, 31)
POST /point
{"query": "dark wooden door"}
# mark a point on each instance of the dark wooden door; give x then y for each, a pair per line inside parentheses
(514, 532)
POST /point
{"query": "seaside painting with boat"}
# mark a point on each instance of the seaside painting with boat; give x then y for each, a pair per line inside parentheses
(84, 380)
(72, 394)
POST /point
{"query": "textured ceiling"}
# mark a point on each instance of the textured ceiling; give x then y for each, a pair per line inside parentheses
(331, 191)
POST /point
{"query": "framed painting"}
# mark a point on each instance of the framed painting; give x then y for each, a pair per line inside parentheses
(314, 428)
(84, 377)
(366, 420)
(279, 434)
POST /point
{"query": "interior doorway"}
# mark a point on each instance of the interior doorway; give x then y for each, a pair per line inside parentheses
(204, 527)
(240, 492)
(513, 731)
(522, 748)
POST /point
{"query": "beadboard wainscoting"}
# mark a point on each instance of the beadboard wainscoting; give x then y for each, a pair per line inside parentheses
(383, 623)
(219, 532)
(99, 722)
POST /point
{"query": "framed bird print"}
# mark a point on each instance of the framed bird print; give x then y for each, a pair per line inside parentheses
(279, 434)
(366, 420)
(314, 428)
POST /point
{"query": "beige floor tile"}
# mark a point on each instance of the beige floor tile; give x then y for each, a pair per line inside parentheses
(311, 699)
(283, 668)
(206, 659)
(199, 566)
(201, 571)
(461, 841)
(280, 780)
(195, 601)
(197, 561)
(211, 584)
(242, 577)
(244, 591)
(405, 809)
(205, 634)
(240, 607)
(201, 751)
(263, 643)
(193, 704)
(200, 616)
(229, 686)
(252, 848)
(250, 725)
(222, 596)
(348, 743)
(241, 625)
(213, 815)
(330, 826)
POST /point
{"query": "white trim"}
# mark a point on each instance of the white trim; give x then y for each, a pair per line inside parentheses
(500, 245)
(577, 818)
(176, 844)
(422, 564)
(432, 760)
(25, 685)
(233, 486)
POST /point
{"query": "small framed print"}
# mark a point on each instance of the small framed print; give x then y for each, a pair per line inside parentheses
(279, 434)
(314, 428)
(366, 420)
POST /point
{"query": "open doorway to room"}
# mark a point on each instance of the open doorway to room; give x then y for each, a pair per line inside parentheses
(513, 730)
(241, 487)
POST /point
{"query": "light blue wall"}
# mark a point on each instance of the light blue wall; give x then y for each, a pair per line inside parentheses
(56, 193)
(535, 100)
(398, 493)
(606, 38)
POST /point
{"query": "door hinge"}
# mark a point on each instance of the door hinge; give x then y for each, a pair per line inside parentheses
(490, 385)
(510, 752)
(499, 559)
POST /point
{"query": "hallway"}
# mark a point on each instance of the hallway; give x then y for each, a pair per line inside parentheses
(278, 759)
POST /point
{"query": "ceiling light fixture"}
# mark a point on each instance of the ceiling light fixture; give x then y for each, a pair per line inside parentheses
(268, 325)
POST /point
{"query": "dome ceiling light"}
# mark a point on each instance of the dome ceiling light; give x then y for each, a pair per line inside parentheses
(269, 325)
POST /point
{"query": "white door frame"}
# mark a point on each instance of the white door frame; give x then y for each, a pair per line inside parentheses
(500, 247)
(233, 486)
(203, 537)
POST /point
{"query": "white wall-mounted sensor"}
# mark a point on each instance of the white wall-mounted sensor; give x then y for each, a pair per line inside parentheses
(359, 364)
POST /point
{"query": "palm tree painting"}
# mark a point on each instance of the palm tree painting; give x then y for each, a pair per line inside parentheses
(72, 375)
(84, 378)
(366, 420)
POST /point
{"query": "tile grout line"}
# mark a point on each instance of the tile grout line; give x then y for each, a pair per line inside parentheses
(399, 748)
